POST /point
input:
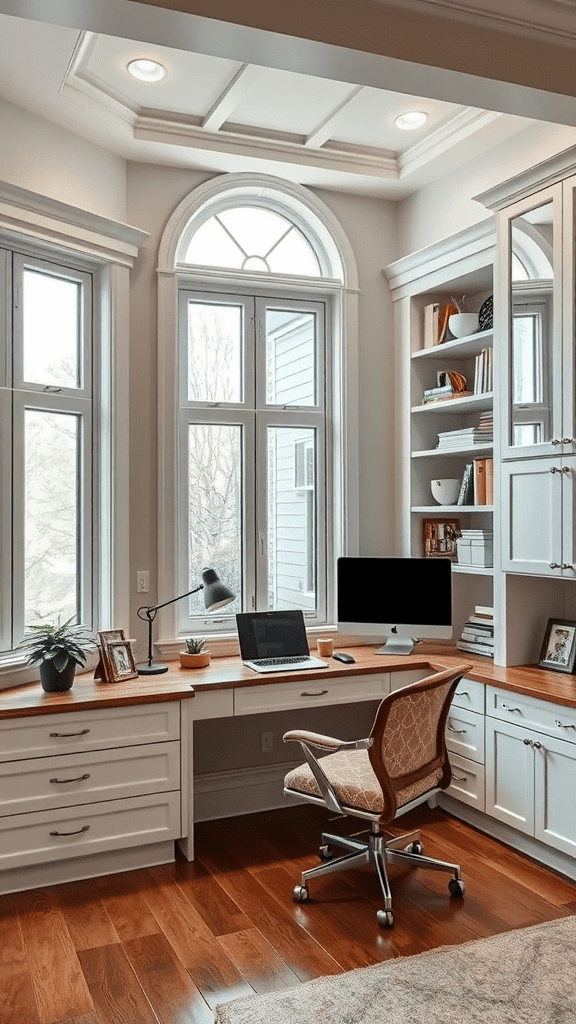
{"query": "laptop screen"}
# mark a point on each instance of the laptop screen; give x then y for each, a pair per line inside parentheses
(272, 635)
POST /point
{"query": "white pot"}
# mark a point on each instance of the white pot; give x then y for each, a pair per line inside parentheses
(445, 492)
(463, 324)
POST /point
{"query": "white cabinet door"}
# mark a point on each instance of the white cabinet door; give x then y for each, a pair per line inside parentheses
(532, 517)
(510, 775)
(555, 786)
(568, 517)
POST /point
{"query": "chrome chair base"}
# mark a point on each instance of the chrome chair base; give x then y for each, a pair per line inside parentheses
(377, 851)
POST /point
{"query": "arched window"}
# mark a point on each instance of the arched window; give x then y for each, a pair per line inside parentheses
(257, 359)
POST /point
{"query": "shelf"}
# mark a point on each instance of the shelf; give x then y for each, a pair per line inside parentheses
(461, 348)
(473, 570)
(458, 406)
(443, 453)
(451, 509)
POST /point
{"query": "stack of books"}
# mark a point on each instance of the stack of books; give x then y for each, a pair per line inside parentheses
(478, 633)
(477, 486)
(484, 372)
(449, 384)
(467, 437)
(475, 547)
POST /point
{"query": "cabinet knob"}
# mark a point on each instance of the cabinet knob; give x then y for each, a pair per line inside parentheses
(537, 744)
(566, 565)
(567, 440)
(555, 565)
(565, 469)
(555, 469)
(555, 440)
(527, 743)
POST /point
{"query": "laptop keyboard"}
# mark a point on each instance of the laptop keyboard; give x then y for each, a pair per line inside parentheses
(285, 661)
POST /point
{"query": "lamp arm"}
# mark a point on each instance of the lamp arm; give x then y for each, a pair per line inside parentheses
(150, 611)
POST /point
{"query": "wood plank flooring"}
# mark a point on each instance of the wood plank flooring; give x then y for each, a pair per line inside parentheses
(165, 945)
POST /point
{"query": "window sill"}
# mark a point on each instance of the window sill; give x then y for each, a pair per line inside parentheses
(225, 645)
(15, 672)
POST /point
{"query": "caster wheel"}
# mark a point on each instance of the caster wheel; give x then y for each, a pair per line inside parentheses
(415, 848)
(301, 894)
(385, 918)
(326, 852)
(456, 887)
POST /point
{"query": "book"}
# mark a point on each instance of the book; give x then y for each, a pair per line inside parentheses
(466, 487)
(484, 611)
(465, 645)
(489, 481)
(430, 335)
(479, 481)
(477, 638)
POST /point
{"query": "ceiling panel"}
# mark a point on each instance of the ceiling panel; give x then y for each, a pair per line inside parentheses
(286, 102)
(368, 120)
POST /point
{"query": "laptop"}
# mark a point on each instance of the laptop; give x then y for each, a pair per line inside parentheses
(273, 641)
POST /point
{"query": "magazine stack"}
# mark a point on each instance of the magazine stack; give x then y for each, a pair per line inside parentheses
(478, 633)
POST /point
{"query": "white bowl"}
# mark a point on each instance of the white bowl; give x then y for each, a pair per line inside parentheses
(445, 492)
(463, 324)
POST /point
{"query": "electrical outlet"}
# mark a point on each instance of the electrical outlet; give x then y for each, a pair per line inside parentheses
(143, 581)
(267, 742)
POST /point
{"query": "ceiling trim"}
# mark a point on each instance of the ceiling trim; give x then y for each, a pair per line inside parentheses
(536, 178)
(535, 18)
(227, 101)
(450, 133)
(406, 275)
(321, 133)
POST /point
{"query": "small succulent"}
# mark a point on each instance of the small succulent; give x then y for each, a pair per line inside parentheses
(195, 644)
(60, 644)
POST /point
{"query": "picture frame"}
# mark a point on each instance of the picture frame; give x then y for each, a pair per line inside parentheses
(106, 637)
(439, 537)
(121, 661)
(558, 651)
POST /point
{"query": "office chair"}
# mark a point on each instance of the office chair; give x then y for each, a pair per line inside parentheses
(399, 766)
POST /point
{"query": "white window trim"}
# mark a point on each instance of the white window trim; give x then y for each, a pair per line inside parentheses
(45, 227)
(341, 292)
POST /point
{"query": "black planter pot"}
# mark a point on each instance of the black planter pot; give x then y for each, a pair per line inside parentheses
(54, 681)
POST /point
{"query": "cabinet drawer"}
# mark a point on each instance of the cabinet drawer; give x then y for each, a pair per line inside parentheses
(531, 713)
(470, 695)
(467, 781)
(114, 825)
(307, 693)
(88, 730)
(37, 784)
(465, 734)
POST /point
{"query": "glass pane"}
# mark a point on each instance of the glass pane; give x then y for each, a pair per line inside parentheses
(291, 517)
(52, 516)
(52, 323)
(290, 357)
(215, 509)
(211, 246)
(526, 359)
(294, 255)
(255, 230)
(215, 340)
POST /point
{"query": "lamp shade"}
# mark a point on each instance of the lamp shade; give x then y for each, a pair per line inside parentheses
(216, 593)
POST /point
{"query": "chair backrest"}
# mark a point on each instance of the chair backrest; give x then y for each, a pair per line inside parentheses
(408, 739)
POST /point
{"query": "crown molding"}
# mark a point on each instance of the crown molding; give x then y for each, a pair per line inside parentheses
(447, 135)
(477, 242)
(540, 176)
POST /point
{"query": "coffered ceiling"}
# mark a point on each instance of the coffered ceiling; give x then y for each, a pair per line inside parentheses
(215, 113)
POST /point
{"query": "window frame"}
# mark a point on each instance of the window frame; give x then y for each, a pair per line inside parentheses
(339, 290)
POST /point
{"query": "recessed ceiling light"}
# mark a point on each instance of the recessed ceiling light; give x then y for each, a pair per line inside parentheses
(146, 70)
(411, 119)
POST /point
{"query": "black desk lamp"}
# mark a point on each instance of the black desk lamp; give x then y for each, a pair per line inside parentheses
(216, 595)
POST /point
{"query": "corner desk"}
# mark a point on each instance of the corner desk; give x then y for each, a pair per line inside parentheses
(99, 779)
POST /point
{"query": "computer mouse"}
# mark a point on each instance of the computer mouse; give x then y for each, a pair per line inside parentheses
(342, 656)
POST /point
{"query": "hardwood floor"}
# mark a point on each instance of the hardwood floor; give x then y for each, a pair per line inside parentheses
(165, 945)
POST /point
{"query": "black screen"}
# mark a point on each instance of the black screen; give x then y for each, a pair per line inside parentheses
(280, 634)
(411, 591)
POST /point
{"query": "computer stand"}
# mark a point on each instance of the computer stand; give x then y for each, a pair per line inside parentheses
(397, 645)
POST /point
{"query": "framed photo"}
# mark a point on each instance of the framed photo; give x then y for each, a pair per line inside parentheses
(107, 637)
(121, 661)
(440, 536)
(559, 646)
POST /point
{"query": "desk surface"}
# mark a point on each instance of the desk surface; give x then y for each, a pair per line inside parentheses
(225, 673)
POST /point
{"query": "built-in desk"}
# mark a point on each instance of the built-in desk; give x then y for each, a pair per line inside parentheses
(99, 778)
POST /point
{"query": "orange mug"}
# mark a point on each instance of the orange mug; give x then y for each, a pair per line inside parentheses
(325, 647)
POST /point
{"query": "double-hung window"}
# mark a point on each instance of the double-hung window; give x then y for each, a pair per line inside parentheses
(46, 444)
(252, 451)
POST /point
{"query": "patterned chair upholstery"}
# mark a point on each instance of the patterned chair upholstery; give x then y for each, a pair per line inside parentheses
(400, 765)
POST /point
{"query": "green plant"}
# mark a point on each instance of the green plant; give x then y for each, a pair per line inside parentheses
(59, 644)
(194, 645)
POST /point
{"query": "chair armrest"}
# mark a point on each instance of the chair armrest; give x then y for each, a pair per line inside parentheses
(328, 743)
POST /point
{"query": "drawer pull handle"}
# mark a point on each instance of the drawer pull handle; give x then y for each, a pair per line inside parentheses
(457, 731)
(460, 778)
(561, 726)
(319, 693)
(506, 707)
(65, 735)
(64, 781)
(462, 693)
(78, 833)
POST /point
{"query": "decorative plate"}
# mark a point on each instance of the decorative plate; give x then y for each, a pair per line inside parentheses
(486, 315)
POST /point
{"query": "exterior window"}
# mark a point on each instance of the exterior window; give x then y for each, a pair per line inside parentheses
(530, 373)
(253, 452)
(46, 447)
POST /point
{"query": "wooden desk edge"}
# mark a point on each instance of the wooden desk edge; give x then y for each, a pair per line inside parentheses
(228, 673)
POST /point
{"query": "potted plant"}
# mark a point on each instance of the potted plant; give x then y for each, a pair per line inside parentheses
(57, 650)
(195, 655)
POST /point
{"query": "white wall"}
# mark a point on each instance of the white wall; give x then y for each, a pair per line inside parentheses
(46, 159)
(446, 206)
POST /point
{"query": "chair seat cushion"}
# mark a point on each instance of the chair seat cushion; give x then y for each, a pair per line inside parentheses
(352, 777)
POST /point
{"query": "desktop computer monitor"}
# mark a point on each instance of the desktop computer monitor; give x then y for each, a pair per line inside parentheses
(397, 599)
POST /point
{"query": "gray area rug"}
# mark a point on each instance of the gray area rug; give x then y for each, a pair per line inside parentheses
(522, 977)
